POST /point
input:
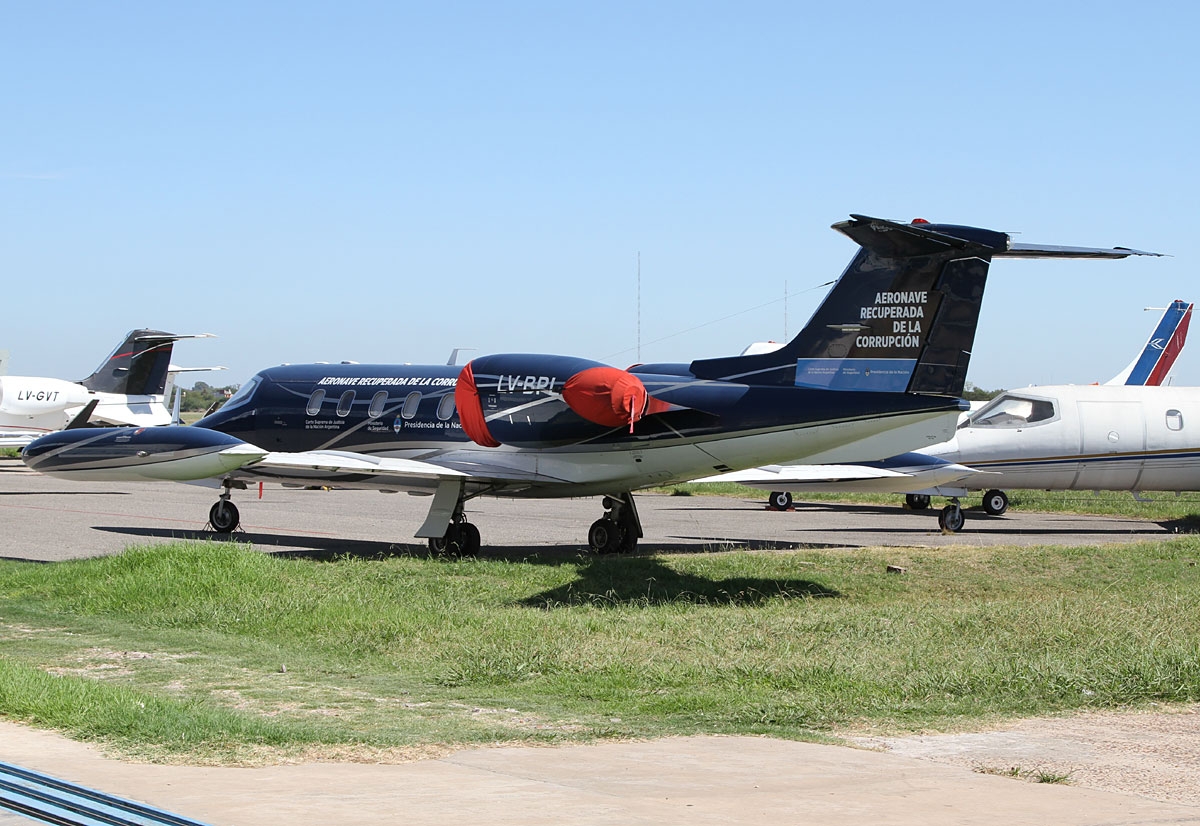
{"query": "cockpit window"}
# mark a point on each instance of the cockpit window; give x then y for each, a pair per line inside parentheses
(243, 394)
(1012, 411)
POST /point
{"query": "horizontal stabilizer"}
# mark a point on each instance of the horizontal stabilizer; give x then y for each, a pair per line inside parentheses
(1050, 251)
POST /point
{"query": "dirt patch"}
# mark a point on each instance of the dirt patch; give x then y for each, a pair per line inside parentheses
(1153, 753)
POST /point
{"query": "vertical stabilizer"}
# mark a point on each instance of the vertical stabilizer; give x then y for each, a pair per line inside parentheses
(138, 367)
(901, 318)
(1162, 348)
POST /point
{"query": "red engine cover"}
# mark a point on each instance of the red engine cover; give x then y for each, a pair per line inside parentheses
(610, 397)
(470, 409)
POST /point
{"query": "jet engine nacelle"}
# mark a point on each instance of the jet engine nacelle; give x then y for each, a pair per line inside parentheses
(544, 400)
(41, 401)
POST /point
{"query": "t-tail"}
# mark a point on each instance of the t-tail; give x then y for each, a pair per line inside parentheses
(901, 318)
(1162, 348)
(139, 365)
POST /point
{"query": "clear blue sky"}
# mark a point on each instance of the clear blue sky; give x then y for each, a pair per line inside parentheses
(385, 181)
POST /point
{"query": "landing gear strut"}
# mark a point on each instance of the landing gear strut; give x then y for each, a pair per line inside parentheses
(223, 516)
(619, 530)
(461, 537)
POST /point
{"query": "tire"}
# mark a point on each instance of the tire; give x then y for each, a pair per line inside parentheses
(779, 500)
(917, 501)
(951, 519)
(470, 539)
(995, 502)
(224, 516)
(605, 536)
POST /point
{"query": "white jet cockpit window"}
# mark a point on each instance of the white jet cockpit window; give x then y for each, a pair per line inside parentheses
(243, 394)
(314, 402)
(1013, 411)
(1174, 420)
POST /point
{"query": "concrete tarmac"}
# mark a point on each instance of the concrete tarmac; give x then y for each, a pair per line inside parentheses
(689, 780)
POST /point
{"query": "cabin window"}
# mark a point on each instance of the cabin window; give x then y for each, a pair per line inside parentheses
(377, 403)
(345, 403)
(314, 402)
(411, 401)
(1174, 420)
(1013, 411)
(446, 407)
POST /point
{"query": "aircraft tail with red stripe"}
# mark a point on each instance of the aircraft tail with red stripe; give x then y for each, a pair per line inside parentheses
(1162, 348)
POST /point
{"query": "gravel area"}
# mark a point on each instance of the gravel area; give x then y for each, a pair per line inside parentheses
(1154, 753)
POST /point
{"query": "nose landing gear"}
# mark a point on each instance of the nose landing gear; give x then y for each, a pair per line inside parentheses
(223, 516)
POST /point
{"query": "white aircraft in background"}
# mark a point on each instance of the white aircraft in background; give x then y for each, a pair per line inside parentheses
(130, 387)
(1128, 434)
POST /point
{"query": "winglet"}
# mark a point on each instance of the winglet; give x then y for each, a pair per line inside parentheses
(1162, 348)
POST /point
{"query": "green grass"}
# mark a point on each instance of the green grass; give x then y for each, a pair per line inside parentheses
(211, 651)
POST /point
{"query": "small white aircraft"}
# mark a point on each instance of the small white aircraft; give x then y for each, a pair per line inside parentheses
(130, 387)
(1127, 434)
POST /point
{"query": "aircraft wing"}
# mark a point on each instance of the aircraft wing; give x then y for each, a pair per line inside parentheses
(337, 468)
(909, 473)
(18, 439)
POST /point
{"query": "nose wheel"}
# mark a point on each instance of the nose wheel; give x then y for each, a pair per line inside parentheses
(223, 516)
(951, 519)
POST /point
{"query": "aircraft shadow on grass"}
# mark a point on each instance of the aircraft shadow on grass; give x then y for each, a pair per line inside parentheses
(619, 581)
(609, 580)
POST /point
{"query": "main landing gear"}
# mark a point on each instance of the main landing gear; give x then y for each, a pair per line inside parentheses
(619, 530)
(223, 516)
(779, 500)
(952, 517)
(461, 537)
(995, 502)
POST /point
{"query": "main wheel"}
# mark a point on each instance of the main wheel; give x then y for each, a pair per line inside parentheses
(224, 516)
(917, 501)
(951, 518)
(779, 500)
(459, 540)
(605, 536)
(995, 502)
(470, 539)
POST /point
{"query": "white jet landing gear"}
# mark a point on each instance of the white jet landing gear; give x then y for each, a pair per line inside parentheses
(619, 530)
(779, 500)
(995, 502)
(951, 519)
(223, 516)
(917, 501)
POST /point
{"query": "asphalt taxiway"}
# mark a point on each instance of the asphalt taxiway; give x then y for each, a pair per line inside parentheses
(47, 519)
